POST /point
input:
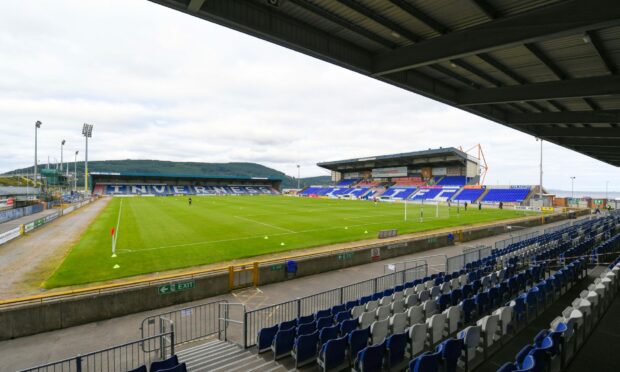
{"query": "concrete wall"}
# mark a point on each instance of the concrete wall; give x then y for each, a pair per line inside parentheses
(62, 313)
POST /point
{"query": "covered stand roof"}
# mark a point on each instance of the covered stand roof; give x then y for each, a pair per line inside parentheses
(544, 67)
(430, 157)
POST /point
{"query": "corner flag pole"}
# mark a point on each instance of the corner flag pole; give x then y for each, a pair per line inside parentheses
(112, 233)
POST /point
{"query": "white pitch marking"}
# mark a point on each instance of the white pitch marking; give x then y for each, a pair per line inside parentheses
(265, 224)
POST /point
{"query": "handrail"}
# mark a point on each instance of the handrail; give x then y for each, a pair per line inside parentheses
(40, 298)
(226, 320)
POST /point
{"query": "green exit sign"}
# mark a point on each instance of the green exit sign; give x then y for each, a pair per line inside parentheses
(176, 287)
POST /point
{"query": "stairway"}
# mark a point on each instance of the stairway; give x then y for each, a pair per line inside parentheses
(221, 356)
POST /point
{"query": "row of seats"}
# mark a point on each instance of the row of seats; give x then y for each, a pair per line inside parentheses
(397, 320)
(430, 333)
(552, 349)
(167, 365)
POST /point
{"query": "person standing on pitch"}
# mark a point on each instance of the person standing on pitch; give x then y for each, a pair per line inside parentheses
(465, 205)
(479, 206)
(190, 201)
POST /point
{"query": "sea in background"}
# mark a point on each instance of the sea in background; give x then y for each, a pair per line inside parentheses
(580, 194)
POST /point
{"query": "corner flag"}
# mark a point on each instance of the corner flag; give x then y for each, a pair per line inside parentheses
(112, 231)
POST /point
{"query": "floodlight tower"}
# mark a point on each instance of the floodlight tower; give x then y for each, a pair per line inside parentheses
(87, 132)
(37, 125)
(62, 145)
(572, 187)
(75, 171)
(298, 175)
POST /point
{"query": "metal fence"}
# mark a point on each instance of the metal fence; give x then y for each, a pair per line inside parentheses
(116, 359)
(456, 263)
(274, 314)
(558, 227)
(190, 323)
(515, 239)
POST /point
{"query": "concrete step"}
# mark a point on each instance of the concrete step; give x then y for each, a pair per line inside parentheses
(221, 356)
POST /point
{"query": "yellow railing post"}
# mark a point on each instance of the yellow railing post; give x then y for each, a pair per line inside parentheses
(255, 274)
(231, 277)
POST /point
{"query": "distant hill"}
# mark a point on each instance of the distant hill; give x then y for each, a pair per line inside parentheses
(172, 167)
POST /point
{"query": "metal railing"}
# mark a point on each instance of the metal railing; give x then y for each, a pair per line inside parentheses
(268, 316)
(438, 262)
(553, 229)
(515, 239)
(227, 319)
(116, 359)
(470, 254)
(190, 323)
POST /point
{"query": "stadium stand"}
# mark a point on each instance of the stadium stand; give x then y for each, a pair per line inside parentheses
(398, 193)
(369, 183)
(516, 195)
(348, 183)
(426, 193)
(161, 190)
(554, 348)
(447, 320)
(408, 181)
(452, 181)
(469, 195)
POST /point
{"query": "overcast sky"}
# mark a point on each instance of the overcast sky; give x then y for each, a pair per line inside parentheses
(159, 84)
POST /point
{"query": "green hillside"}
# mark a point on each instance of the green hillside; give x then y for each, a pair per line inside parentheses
(206, 169)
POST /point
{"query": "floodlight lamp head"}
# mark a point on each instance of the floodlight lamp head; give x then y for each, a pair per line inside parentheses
(87, 130)
(38, 124)
(63, 142)
(76, 152)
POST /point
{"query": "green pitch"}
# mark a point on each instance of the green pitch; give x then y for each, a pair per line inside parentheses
(164, 233)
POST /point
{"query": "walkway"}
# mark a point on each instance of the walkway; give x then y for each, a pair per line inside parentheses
(29, 258)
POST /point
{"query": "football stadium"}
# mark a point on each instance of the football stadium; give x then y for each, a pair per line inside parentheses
(396, 261)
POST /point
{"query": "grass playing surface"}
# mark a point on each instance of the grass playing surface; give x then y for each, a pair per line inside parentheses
(158, 234)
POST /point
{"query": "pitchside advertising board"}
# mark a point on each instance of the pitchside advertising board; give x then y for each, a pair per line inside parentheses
(9, 235)
(389, 172)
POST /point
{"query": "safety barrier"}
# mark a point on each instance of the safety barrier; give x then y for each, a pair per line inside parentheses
(10, 235)
(267, 316)
(119, 358)
(12, 214)
(191, 323)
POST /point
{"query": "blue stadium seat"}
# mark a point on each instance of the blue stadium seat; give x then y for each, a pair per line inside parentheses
(142, 368)
(323, 313)
(305, 349)
(328, 333)
(265, 338)
(342, 316)
(426, 362)
(346, 326)
(332, 354)
(396, 346)
(306, 319)
(164, 364)
(450, 350)
(358, 339)
(283, 343)
(323, 322)
(337, 309)
(288, 324)
(306, 329)
(351, 304)
(370, 358)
